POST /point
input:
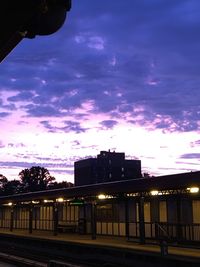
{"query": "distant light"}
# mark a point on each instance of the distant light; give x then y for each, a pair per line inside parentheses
(60, 199)
(10, 204)
(101, 196)
(154, 192)
(193, 189)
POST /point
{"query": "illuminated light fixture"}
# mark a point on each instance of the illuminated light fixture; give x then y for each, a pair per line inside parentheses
(132, 194)
(193, 189)
(25, 202)
(154, 192)
(35, 202)
(101, 196)
(60, 199)
(10, 204)
(48, 201)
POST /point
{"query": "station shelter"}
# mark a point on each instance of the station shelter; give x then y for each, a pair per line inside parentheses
(157, 208)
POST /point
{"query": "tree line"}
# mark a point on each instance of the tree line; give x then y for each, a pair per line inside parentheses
(30, 180)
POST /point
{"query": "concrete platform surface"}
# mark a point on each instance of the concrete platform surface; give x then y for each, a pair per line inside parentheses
(109, 242)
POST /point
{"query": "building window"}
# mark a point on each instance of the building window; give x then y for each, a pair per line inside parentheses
(196, 208)
(172, 211)
(2, 214)
(36, 213)
(147, 212)
(186, 211)
(60, 212)
(163, 211)
(132, 211)
(108, 213)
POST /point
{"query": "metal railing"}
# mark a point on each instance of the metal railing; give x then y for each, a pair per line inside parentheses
(179, 232)
(171, 232)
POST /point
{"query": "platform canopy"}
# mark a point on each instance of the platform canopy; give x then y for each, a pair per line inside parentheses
(175, 183)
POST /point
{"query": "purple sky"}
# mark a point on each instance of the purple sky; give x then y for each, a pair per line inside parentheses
(122, 75)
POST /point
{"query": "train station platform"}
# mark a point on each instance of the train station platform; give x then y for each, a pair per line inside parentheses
(115, 250)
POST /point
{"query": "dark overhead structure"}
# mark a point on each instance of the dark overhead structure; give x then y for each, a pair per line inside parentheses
(27, 18)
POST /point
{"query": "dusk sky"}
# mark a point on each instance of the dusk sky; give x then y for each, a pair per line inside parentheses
(122, 75)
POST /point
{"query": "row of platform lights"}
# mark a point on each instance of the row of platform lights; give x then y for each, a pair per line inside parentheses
(191, 190)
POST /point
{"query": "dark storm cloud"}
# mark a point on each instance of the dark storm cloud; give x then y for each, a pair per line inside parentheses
(145, 51)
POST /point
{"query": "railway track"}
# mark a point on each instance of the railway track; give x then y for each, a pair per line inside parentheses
(39, 252)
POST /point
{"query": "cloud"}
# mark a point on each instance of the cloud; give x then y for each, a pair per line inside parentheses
(90, 40)
(30, 164)
(21, 96)
(73, 126)
(41, 111)
(188, 163)
(16, 145)
(109, 124)
(2, 144)
(190, 156)
(148, 51)
(4, 114)
(69, 126)
(195, 143)
(76, 143)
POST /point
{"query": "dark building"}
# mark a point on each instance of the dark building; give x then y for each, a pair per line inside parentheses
(107, 167)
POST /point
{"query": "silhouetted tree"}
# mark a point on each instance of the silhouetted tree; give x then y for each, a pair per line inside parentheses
(147, 175)
(57, 185)
(35, 179)
(12, 187)
(3, 182)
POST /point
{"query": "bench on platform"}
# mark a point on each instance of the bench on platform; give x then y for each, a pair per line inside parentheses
(67, 227)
